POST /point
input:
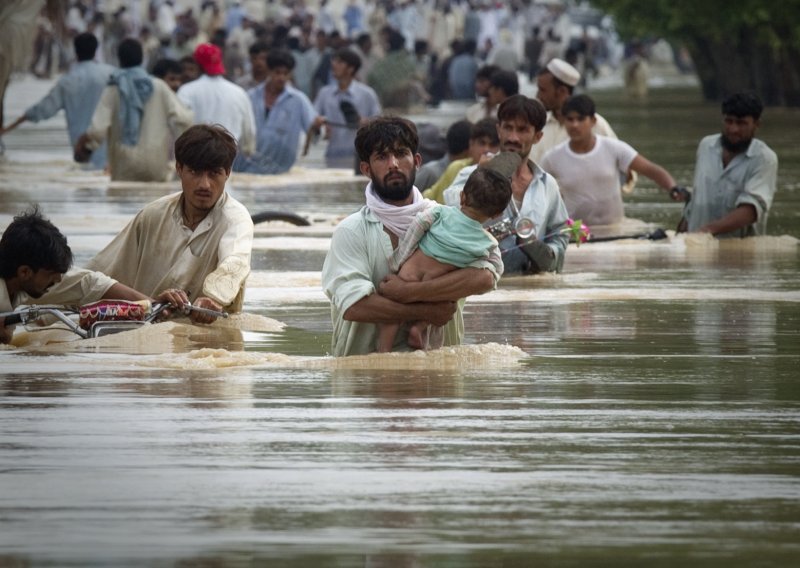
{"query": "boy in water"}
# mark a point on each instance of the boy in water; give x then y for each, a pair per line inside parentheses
(444, 238)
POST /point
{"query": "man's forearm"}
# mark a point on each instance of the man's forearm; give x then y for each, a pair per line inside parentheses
(742, 216)
(447, 288)
(379, 309)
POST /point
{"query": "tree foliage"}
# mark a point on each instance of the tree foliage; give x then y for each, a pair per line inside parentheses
(735, 44)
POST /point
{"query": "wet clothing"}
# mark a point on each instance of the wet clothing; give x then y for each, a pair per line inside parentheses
(215, 100)
(156, 251)
(554, 133)
(357, 261)
(278, 131)
(590, 182)
(447, 235)
(542, 204)
(164, 118)
(750, 178)
(77, 92)
(340, 152)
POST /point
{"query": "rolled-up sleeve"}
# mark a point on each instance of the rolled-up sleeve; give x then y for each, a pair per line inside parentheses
(760, 185)
(78, 286)
(234, 250)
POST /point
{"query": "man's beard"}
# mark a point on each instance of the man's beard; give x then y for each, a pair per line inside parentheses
(735, 147)
(394, 190)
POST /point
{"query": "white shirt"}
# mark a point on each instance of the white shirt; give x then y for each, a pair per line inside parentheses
(215, 100)
(554, 133)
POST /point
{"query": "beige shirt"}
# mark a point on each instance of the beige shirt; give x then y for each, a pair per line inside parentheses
(156, 251)
(78, 286)
(554, 133)
(163, 120)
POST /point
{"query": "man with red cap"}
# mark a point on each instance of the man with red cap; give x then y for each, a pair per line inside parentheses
(215, 100)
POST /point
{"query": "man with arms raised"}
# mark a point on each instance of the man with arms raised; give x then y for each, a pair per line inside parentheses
(194, 244)
(734, 176)
(355, 275)
(535, 200)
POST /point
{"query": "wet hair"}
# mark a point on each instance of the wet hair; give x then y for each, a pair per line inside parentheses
(164, 66)
(129, 53)
(520, 106)
(349, 58)
(485, 127)
(458, 137)
(486, 71)
(487, 191)
(506, 81)
(386, 133)
(31, 240)
(743, 104)
(583, 105)
(85, 45)
(278, 58)
(205, 147)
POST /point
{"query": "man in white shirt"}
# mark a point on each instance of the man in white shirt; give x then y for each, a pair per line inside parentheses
(215, 100)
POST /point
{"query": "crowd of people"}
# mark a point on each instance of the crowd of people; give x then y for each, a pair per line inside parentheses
(516, 171)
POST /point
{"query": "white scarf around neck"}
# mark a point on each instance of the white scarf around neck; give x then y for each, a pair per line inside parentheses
(396, 218)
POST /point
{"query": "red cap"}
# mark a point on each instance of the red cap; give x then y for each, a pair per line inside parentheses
(209, 57)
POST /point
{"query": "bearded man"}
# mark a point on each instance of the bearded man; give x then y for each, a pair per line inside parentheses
(356, 275)
(734, 176)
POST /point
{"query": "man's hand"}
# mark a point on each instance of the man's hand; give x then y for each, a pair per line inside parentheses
(174, 297)
(208, 304)
(5, 333)
(396, 289)
(439, 313)
(82, 153)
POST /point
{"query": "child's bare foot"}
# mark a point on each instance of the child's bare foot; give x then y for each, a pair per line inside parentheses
(418, 336)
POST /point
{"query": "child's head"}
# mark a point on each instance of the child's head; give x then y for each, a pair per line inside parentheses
(487, 192)
(34, 250)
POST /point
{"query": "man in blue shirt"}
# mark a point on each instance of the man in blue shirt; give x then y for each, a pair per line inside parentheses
(282, 114)
(341, 132)
(77, 92)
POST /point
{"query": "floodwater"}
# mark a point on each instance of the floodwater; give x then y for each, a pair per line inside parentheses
(642, 408)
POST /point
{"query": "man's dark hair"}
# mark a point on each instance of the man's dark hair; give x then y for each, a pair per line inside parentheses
(519, 106)
(278, 58)
(487, 191)
(386, 133)
(363, 39)
(85, 45)
(469, 46)
(506, 81)
(205, 147)
(486, 71)
(31, 240)
(258, 47)
(129, 53)
(581, 104)
(164, 66)
(485, 127)
(458, 137)
(349, 58)
(742, 105)
(396, 40)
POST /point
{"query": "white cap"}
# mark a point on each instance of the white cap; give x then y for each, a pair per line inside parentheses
(564, 72)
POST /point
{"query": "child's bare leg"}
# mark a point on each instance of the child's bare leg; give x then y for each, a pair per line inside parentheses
(418, 335)
(386, 335)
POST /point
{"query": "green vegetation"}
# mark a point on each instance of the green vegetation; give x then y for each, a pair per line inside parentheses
(735, 44)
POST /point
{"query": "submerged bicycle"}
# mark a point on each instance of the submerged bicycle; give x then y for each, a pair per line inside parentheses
(102, 318)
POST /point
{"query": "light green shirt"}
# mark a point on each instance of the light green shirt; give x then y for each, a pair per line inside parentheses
(357, 261)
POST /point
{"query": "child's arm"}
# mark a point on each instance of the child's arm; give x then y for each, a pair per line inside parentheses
(408, 244)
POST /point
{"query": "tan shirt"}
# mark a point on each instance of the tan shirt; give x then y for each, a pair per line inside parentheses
(156, 251)
(163, 120)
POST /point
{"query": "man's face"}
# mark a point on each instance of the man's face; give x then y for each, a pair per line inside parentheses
(278, 77)
(174, 80)
(578, 127)
(36, 283)
(340, 70)
(479, 147)
(548, 94)
(738, 132)
(258, 64)
(191, 71)
(517, 135)
(481, 86)
(202, 188)
(495, 95)
(392, 172)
